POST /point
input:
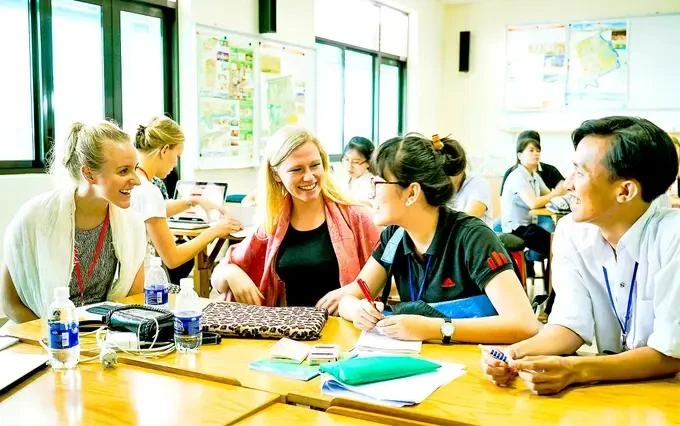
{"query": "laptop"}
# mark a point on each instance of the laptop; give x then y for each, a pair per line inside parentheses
(195, 217)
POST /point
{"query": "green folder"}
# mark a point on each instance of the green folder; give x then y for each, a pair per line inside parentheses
(358, 371)
(286, 368)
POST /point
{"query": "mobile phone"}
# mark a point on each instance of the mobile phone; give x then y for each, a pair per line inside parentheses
(103, 308)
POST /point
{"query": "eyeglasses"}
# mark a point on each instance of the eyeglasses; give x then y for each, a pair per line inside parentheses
(346, 161)
(375, 183)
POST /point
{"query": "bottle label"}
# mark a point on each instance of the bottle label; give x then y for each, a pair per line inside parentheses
(63, 336)
(156, 295)
(187, 323)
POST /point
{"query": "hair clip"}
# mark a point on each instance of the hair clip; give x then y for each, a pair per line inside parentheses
(437, 143)
(141, 129)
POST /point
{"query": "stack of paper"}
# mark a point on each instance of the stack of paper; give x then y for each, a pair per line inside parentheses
(397, 392)
(374, 341)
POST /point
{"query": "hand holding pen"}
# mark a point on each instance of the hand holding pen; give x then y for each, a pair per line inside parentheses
(369, 311)
(496, 365)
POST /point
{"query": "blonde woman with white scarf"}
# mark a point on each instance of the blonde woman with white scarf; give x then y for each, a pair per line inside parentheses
(81, 234)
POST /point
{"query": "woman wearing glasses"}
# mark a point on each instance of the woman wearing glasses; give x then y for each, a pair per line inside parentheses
(356, 161)
(311, 242)
(434, 254)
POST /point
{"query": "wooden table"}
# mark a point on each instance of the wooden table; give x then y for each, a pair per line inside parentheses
(285, 414)
(470, 399)
(204, 259)
(91, 394)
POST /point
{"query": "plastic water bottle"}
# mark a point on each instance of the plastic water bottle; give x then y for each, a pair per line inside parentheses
(156, 284)
(62, 331)
(188, 312)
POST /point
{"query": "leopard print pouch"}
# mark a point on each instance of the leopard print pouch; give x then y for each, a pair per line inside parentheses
(263, 322)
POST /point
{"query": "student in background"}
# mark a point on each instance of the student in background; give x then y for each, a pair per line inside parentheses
(312, 240)
(525, 190)
(85, 218)
(441, 255)
(160, 144)
(616, 260)
(471, 194)
(356, 159)
(549, 173)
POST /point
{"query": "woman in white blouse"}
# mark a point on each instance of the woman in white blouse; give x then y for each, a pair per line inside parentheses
(357, 162)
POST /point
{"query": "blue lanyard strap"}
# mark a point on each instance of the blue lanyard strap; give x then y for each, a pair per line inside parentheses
(422, 281)
(626, 324)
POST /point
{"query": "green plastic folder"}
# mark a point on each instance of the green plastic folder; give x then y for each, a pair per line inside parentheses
(358, 371)
(286, 368)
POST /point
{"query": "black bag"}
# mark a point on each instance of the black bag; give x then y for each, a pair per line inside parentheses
(143, 320)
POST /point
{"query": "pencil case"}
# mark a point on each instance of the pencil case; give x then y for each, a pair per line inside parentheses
(357, 371)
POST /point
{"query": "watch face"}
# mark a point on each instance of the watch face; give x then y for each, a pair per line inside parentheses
(447, 329)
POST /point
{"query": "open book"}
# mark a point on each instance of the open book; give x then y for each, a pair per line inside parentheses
(372, 340)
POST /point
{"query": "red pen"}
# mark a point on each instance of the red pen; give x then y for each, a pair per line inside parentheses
(365, 290)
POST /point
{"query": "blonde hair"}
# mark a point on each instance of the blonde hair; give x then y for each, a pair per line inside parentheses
(84, 147)
(159, 132)
(273, 194)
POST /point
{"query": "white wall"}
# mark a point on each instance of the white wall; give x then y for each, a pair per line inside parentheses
(472, 103)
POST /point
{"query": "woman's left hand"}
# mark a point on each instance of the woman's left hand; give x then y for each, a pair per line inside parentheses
(405, 327)
(330, 301)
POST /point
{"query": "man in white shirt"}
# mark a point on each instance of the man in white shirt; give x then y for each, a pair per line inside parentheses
(616, 264)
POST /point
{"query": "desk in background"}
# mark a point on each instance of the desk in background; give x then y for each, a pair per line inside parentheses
(204, 260)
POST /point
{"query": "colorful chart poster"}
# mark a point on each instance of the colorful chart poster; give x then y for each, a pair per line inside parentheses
(598, 64)
(536, 69)
(285, 75)
(226, 94)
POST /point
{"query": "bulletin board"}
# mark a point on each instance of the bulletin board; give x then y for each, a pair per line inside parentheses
(247, 89)
(561, 74)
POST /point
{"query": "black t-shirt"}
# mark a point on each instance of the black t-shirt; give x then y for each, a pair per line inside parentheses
(465, 254)
(308, 266)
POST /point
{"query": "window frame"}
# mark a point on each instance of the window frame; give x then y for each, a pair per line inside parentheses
(42, 75)
(377, 58)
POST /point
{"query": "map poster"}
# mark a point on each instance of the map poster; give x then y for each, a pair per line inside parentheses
(536, 69)
(598, 64)
(226, 92)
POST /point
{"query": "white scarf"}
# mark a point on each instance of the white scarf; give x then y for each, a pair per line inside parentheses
(38, 248)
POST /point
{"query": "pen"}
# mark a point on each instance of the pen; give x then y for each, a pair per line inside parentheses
(365, 291)
(500, 356)
(495, 353)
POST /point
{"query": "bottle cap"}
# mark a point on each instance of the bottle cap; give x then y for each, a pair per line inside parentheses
(186, 283)
(61, 293)
(155, 261)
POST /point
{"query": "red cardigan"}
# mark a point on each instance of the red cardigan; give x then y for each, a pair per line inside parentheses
(352, 233)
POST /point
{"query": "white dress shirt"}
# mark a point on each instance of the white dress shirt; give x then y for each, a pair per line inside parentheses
(583, 304)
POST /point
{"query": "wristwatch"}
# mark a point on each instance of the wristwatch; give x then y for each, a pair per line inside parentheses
(447, 328)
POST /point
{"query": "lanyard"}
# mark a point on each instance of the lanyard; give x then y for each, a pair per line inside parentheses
(422, 281)
(625, 325)
(95, 258)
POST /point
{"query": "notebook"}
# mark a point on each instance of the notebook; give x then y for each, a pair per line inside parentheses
(396, 392)
(374, 341)
(195, 217)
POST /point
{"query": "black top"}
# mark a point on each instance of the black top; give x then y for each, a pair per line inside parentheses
(550, 175)
(307, 265)
(465, 254)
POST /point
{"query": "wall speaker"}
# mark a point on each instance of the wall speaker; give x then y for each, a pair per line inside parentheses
(267, 16)
(464, 52)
